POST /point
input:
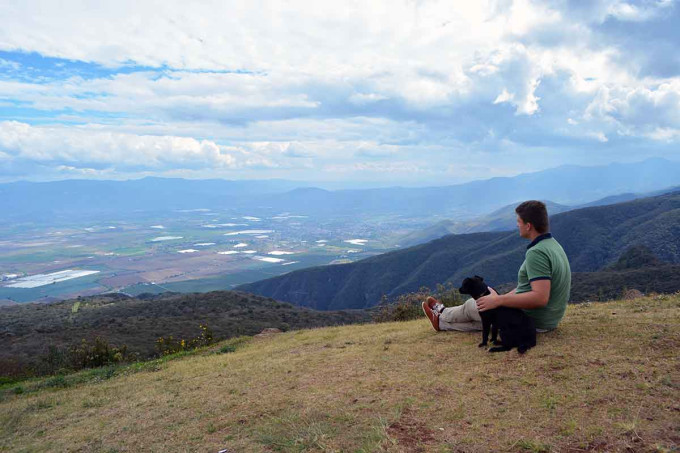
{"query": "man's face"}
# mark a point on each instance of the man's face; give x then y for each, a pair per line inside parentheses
(523, 227)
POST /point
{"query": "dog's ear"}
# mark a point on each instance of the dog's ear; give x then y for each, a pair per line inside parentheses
(480, 278)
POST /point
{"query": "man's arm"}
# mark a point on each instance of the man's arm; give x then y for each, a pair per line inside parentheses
(536, 298)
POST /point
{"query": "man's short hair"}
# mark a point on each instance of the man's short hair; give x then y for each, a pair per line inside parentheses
(535, 213)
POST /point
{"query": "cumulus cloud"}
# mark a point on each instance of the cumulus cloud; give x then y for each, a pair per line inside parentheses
(328, 86)
(100, 148)
(640, 110)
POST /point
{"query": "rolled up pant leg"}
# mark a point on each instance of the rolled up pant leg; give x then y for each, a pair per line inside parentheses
(464, 318)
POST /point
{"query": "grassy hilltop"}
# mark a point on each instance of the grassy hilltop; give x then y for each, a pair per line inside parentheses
(606, 380)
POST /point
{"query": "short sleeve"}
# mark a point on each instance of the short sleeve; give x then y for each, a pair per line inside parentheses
(538, 265)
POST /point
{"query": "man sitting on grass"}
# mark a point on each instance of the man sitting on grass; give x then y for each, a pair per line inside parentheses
(543, 281)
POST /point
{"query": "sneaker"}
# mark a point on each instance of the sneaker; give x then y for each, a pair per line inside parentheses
(431, 315)
(435, 305)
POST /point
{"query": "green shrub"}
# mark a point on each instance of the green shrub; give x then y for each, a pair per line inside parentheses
(96, 354)
(171, 345)
(84, 355)
(404, 308)
(448, 295)
(6, 380)
(104, 373)
(408, 306)
(57, 381)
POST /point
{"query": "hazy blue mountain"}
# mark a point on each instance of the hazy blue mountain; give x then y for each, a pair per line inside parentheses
(503, 219)
(593, 238)
(563, 185)
(620, 198)
(88, 197)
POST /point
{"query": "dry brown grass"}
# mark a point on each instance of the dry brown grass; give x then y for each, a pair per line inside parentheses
(606, 380)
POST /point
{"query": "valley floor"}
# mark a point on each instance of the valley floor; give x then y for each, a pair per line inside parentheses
(607, 380)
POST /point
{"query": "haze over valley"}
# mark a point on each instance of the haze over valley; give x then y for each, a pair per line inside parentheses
(81, 238)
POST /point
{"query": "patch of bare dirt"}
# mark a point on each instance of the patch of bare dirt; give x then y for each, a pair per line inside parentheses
(410, 433)
(632, 294)
(268, 332)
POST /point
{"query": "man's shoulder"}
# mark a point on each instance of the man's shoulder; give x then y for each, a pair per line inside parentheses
(547, 245)
(548, 250)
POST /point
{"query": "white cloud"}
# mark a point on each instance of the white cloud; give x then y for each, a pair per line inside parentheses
(93, 145)
(599, 136)
(397, 167)
(6, 64)
(366, 98)
(665, 134)
(643, 110)
(627, 11)
(504, 97)
(300, 88)
(414, 52)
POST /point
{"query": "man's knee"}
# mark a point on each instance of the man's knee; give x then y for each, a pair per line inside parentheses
(461, 314)
(471, 310)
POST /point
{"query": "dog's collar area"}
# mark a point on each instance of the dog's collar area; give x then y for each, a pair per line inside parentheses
(539, 239)
(486, 293)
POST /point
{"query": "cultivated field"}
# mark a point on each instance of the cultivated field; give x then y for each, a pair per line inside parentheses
(181, 249)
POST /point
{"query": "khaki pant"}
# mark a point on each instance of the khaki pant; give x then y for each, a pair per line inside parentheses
(464, 318)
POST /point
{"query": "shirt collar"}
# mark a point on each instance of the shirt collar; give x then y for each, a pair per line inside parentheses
(539, 239)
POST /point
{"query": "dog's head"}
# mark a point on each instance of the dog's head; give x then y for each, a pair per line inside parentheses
(474, 286)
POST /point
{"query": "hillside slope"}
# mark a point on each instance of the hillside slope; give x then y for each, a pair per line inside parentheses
(27, 330)
(606, 380)
(593, 238)
(503, 219)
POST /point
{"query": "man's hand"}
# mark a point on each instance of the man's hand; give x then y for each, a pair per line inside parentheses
(489, 302)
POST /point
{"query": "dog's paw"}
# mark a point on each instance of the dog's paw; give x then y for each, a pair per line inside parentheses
(499, 349)
(482, 344)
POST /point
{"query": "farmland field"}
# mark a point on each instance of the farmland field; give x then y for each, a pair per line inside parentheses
(185, 251)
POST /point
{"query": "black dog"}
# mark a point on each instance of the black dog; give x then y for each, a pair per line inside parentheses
(516, 327)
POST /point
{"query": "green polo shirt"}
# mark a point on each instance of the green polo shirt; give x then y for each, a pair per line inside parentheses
(545, 260)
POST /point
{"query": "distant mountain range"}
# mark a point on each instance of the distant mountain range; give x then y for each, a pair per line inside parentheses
(593, 238)
(563, 185)
(89, 198)
(503, 219)
(569, 185)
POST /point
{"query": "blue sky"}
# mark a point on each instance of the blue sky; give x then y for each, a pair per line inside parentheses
(410, 93)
